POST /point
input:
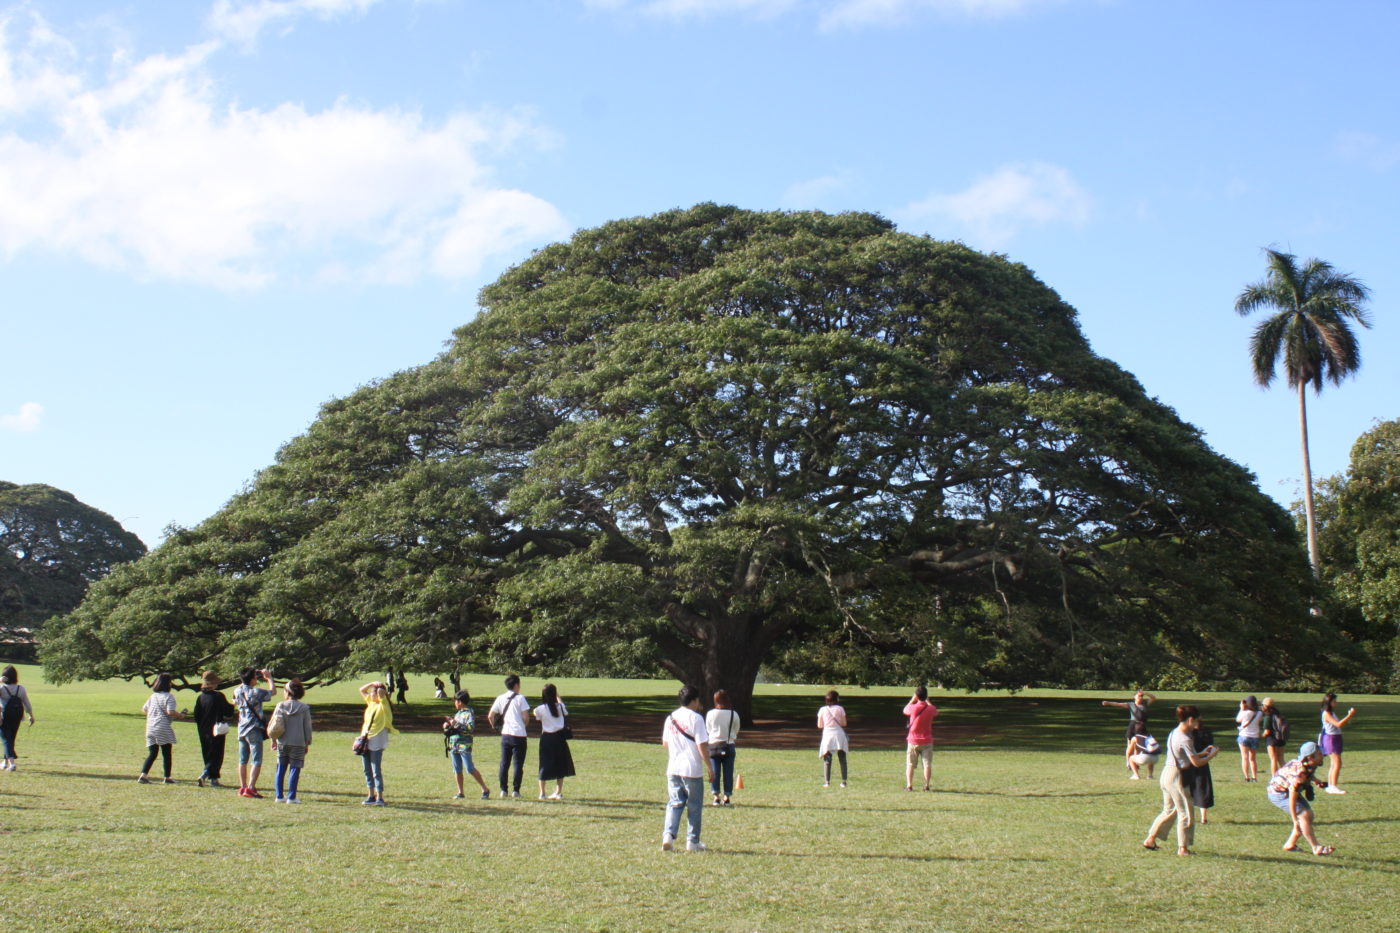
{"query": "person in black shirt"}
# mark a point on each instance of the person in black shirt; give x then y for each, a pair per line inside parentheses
(210, 709)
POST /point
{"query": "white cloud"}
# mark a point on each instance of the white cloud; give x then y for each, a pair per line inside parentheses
(1369, 150)
(998, 206)
(26, 419)
(148, 170)
(242, 20)
(697, 9)
(831, 14)
(815, 192)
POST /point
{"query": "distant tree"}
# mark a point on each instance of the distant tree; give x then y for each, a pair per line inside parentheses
(1313, 306)
(1359, 539)
(51, 548)
(713, 438)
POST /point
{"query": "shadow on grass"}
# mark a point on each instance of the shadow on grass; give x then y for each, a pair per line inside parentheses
(882, 856)
(1306, 860)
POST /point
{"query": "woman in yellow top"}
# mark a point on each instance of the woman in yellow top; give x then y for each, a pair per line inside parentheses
(378, 724)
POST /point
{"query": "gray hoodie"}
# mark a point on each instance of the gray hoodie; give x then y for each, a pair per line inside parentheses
(297, 716)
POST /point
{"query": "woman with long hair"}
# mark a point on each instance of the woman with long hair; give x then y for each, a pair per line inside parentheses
(1330, 741)
(378, 725)
(1181, 755)
(555, 761)
(1275, 734)
(722, 723)
(1248, 721)
(159, 708)
(831, 719)
(14, 704)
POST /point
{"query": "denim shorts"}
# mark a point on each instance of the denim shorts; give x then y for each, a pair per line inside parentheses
(250, 749)
(462, 761)
(1247, 741)
(1281, 801)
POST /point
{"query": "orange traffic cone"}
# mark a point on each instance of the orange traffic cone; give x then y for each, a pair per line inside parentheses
(740, 785)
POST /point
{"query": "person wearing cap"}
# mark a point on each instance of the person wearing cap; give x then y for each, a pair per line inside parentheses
(211, 709)
(1289, 789)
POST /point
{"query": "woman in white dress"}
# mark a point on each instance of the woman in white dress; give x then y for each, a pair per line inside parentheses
(831, 719)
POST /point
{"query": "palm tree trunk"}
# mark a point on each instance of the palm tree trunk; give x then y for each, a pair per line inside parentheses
(1307, 478)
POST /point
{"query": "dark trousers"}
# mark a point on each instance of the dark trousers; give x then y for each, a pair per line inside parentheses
(212, 747)
(151, 758)
(512, 746)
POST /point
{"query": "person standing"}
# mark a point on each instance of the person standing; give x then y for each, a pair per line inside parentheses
(1289, 790)
(1197, 779)
(1275, 734)
(1249, 721)
(688, 755)
(1331, 740)
(377, 726)
(1136, 707)
(460, 729)
(831, 719)
(722, 723)
(919, 740)
(402, 684)
(159, 708)
(211, 710)
(508, 714)
(252, 728)
(14, 704)
(292, 745)
(556, 762)
(1181, 755)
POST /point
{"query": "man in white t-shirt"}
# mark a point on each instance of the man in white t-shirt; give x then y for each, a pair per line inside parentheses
(687, 768)
(509, 714)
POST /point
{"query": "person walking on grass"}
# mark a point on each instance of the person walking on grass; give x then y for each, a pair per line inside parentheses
(1274, 734)
(919, 739)
(159, 708)
(508, 714)
(1181, 755)
(1330, 741)
(377, 726)
(831, 719)
(1290, 789)
(1250, 722)
(293, 742)
(722, 723)
(556, 762)
(460, 730)
(212, 714)
(252, 728)
(14, 705)
(688, 756)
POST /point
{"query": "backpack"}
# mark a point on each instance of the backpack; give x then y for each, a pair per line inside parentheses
(1279, 728)
(12, 704)
(1150, 746)
(277, 725)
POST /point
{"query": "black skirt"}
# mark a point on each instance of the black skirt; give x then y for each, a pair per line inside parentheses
(555, 760)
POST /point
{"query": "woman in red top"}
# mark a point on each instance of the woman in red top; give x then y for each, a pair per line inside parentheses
(921, 714)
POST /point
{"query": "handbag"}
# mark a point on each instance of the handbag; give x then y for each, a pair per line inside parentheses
(361, 744)
(567, 732)
(220, 728)
(277, 725)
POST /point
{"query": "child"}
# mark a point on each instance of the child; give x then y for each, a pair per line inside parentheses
(1143, 749)
(1288, 790)
(457, 731)
(831, 719)
(295, 739)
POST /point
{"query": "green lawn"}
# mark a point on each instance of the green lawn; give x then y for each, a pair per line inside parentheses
(1033, 824)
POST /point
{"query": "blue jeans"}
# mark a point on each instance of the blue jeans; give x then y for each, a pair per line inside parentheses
(686, 793)
(723, 763)
(250, 749)
(374, 771)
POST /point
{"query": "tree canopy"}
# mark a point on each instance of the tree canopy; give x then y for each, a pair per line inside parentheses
(51, 547)
(712, 439)
(1359, 536)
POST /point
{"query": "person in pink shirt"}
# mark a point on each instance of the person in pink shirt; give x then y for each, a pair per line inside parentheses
(921, 714)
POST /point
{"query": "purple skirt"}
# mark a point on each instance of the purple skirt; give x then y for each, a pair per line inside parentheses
(1330, 744)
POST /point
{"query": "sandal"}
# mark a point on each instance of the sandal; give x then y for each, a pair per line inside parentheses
(1150, 848)
(1290, 848)
(1323, 850)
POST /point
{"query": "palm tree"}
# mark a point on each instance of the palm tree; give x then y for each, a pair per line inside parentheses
(1313, 305)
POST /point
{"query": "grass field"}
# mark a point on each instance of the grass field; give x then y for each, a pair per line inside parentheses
(1033, 825)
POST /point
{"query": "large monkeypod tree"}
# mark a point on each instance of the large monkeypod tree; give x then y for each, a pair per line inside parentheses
(712, 439)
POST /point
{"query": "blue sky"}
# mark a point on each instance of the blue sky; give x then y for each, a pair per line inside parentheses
(214, 217)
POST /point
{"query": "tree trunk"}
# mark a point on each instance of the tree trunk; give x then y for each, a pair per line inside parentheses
(729, 661)
(1307, 479)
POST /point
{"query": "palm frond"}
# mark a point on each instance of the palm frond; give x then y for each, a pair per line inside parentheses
(1265, 346)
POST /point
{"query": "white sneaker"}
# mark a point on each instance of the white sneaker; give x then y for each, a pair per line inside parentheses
(541, 796)
(695, 847)
(1333, 789)
(555, 796)
(291, 800)
(667, 843)
(1134, 777)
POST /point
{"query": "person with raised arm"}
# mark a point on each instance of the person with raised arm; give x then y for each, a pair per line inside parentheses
(252, 728)
(1331, 740)
(378, 725)
(919, 740)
